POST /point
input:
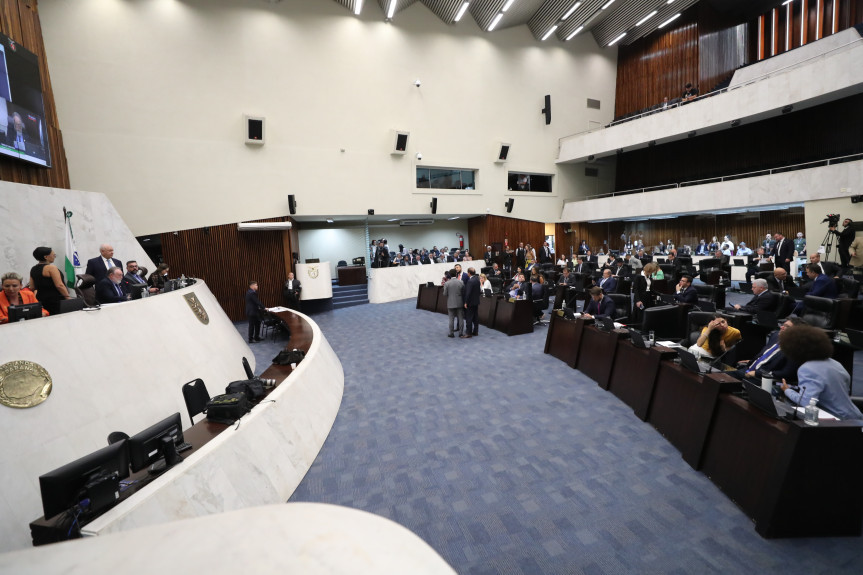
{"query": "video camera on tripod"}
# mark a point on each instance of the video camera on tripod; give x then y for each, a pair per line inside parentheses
(833, 220)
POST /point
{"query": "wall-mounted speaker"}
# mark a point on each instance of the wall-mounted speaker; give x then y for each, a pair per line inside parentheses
(371, 212)
(509, 204)
(502, 153)
(254, 127)
(547, 109)
(400, 142)
(292, 204)
(433, 205)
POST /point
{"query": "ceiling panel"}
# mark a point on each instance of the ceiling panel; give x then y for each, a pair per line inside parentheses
(541, 15)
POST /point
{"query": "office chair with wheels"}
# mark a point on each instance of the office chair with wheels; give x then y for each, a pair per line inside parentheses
(196, 396)
(821, 312)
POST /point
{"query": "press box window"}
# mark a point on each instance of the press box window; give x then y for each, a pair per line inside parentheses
(524, 182)
(446, 179)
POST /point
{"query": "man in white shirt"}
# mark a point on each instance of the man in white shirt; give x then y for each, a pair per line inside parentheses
(291, 291)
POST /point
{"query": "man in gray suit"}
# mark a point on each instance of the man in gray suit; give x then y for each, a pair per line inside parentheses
(453, 291)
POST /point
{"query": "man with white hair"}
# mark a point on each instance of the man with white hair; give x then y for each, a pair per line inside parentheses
(98, 267)
(762, 300)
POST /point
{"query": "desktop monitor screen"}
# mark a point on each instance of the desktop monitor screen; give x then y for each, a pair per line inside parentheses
(148, 447)
(23, 130)
(25, 311)
(67, 486)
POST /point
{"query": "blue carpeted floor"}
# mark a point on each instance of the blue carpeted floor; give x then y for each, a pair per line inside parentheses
(505, 460)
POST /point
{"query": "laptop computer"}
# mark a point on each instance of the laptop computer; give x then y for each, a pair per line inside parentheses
(690, 362)
(764, 400)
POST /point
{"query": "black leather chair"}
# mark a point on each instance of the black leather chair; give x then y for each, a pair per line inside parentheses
(540, 305)
(85, 288)
(342, 264)
(695, 322)
(624, 286)
(622, 306)
(848, 288)
(116, 436)
(196, 397)
(496, 284)
(785, 305)
(821, 312)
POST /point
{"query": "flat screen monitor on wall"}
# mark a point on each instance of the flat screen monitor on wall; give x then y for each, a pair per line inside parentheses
(23, 133)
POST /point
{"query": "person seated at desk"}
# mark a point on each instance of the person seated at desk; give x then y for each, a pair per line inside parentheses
(762, 299)
(676, 265)
(724, 260)
(771, 359)
(496, 271)
(621, 270)
(133, 276)
(566, 278)
(12, 294)
(484, 284)
(829, 268)
(701, 249)
(517, 287)
(633, 262)
(561, 261)
(685, 293)
(755, 262)
(822, 286)
(599, 306)
(583, 266)
(781, 282)
(110, 288)
(582, 248)
(159, 278)
(590, 258)
(819, 376)
(609, 263)
(742, 250)
(715, 338)
(608, 283)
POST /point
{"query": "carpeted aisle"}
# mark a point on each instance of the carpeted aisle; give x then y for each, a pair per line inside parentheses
(505, 460)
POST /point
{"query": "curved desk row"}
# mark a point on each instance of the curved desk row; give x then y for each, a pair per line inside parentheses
(121, 368)
(397, 283)
(762, 464)
(496, 312)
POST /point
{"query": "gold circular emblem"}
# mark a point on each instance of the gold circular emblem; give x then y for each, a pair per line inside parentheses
(24, 384)
(313, 271)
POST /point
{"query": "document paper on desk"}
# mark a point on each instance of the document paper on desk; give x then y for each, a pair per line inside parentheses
(669, 344)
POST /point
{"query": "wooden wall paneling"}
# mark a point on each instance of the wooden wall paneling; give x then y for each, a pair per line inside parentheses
(563, 240)
(227, 259)
(477, 238)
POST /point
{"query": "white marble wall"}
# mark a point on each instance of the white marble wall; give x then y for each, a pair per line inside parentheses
(840, 180)
(837, 75)
(32, 216)
(121, 368)
(392, 284)
(302, 538)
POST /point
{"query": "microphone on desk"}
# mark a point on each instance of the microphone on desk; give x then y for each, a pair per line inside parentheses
(797, 403)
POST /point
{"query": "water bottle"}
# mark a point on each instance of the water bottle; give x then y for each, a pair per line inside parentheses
(183, 281)
(810, 416)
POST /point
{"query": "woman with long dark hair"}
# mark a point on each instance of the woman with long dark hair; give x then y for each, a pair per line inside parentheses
(46, 280)
(715, 338)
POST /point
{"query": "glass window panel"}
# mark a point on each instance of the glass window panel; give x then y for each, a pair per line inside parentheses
(423, 178)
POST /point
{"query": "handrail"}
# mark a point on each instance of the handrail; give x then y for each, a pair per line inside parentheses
(715, 92)
(729, 177)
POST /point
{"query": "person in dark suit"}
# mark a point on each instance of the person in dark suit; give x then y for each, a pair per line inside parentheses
(685, 292)
(545, 253)
(566, 278)
(520, 256)
(583, 267)
(98, 267)
(822, 286)
(460, 274)
(845, 239)
(641, 296)
(291, 292)
(488, 256)
(784, 251)
(16, 136)
(110, 288)
(762, 300)
(771, 358)
(254, 311)
(608, 283)
(599, 306)
(134, 276)
(471, 304)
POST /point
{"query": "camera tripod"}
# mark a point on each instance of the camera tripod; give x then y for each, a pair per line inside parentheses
(828, 243)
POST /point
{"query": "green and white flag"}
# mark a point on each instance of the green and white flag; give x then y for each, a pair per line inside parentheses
(73, 264)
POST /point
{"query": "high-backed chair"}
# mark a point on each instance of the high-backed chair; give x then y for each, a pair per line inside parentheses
(196, 396)
(622, 306)
(663, 320)
(785, 305)
(695, 322)
(820, 311)
(86, 289)
(116, 436)
(496, 284)
(847, 287)
(624, 286)
(342, 264)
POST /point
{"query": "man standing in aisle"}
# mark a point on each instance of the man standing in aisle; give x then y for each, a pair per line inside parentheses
(471, 304)
(254, 311)
(784, 252)
(453, 291)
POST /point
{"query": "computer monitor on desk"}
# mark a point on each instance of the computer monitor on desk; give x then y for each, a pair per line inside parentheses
(25, 311)
(94, 478)
(156, 443)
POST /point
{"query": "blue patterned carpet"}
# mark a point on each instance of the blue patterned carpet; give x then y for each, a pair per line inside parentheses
(507, 461)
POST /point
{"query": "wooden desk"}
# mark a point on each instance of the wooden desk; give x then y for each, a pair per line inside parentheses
(559, 296)
(682, 407)
(487, 310)
(596, 357)
(563, 340)
(427, 297)
(352, 275)
(514, 317)
(793, 480)
(633, 376)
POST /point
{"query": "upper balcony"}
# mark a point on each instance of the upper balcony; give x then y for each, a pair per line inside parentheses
(816, 73)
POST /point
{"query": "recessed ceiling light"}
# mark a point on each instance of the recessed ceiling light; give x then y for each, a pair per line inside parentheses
(577, 30)
(393, 220)
(549, 33)
(613, 42)
(571, 10)
(670, 20)
(392, 9)
(461, 11)
(494, 22)
(646, 18)
(454, 218)
(359, 7)
(507, 5)
(607, 4)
